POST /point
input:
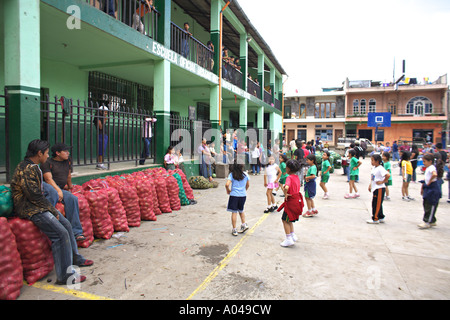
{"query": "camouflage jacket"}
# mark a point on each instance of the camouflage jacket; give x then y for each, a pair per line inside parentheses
(27, 191)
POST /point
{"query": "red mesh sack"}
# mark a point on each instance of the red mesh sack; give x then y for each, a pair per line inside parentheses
(34, 248)
(144, 192)
(11, 271)
(85, 218)
(130, 200)
(186, 186)
(173, 193)
(60, 207)
(101, 220)
(155, 201)
(161, 191)
(117, 211)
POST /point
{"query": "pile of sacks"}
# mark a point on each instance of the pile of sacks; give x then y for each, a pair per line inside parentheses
(107, 205)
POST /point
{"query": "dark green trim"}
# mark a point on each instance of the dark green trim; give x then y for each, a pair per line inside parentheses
(23, 88)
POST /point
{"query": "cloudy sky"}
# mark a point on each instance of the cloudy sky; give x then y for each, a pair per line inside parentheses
(321, 43)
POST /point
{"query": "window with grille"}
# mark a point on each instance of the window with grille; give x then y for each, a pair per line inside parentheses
(118, 94)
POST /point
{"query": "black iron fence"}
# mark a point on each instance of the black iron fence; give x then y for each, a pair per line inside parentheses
(253, 88)
(231, 74)
(191, 48)
(186, 134)
(140, 15)
(96, 133)
(4, 143)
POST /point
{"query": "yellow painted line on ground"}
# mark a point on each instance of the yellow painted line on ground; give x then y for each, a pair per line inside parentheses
(69, 292)
(227, 259)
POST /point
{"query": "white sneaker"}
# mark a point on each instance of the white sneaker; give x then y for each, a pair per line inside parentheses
(372, 221)
(287, 242)
(405, 199)
(424, 225)
(244, 227)
(387, 198)
(325, 196)
(294, 237)
(101, 166)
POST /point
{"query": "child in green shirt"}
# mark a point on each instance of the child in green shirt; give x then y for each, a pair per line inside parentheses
(310, 185)
(325, 172)
(387, 165)
(354, 172)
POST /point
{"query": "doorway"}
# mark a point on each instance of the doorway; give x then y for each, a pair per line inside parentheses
(365, 133)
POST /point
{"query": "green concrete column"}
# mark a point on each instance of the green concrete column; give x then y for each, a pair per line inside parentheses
(272, 84)
(22, 74)
(216, 6)
(260, 122)
(214, 115)
(162, 108)
(164, 25)
(244, 60)
(243, 114)
(261, 74)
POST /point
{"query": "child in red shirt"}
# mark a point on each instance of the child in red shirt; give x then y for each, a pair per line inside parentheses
(293, 204)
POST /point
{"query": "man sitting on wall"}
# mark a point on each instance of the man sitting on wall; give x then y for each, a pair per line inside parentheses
(30, 203)
(58, 178)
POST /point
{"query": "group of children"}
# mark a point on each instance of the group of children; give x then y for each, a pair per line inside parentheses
(287, 175)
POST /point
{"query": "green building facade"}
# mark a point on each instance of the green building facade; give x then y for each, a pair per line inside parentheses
(74, 49)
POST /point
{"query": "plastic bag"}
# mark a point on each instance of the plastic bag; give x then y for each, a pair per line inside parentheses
(6, 202)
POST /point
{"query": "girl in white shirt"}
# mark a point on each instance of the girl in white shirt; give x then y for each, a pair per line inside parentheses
(272, 175)
(379, 177)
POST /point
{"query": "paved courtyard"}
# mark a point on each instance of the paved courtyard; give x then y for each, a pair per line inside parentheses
(191, 254)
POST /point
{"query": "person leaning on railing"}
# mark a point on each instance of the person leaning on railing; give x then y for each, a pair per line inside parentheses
(145, 7)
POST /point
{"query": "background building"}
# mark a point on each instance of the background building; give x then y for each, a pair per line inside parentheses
(419, 110)
(309, 117)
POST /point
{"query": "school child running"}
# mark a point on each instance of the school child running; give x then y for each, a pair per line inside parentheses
(431, 190)
(407, 172)
(325, 173)
(354, 173)
(272, 175)
(310, 186)
(293, 202)
(387, 165)
(378, 178)
(237, 185)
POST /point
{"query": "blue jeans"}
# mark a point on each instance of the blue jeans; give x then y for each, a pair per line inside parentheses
(205, 168)
(70, 206)
(64, 247)
(146, 151)
(395, 156)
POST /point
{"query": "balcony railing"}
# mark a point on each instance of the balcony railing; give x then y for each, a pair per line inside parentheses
(232, 75)
(134, 13)
(268, 97)
(191, 48)
(253, 88)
